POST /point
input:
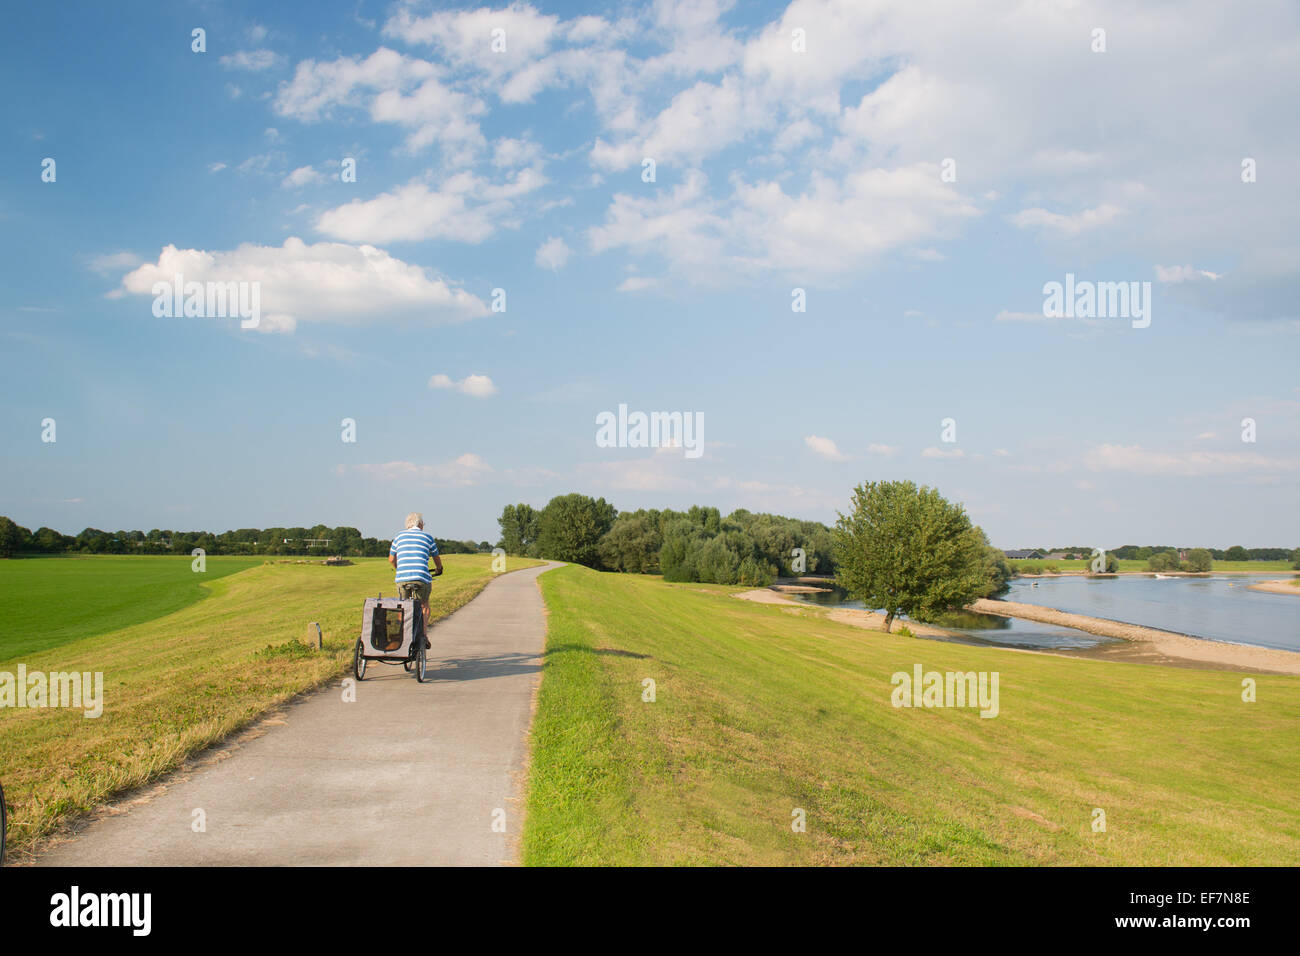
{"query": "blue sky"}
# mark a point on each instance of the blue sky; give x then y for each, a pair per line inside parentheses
(775, 168)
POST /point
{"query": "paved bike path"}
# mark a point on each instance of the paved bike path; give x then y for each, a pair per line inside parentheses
(408, 774)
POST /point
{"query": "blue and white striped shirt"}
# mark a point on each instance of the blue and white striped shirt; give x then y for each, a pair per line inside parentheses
(413, 548)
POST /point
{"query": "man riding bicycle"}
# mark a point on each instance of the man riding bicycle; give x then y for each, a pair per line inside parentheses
(409, 555)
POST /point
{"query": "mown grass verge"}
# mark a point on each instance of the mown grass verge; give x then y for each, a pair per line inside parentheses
(763, 710)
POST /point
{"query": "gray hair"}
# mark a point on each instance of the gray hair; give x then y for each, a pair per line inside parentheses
(414, 519)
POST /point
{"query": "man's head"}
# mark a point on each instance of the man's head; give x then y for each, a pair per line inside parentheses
(414, 520)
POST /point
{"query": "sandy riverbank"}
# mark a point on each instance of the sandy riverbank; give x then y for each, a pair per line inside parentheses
(845, 615)
(1277, 587)
(1149, 645)
(1135, 644)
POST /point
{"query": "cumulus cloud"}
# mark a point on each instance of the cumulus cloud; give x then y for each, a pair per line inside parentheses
(302, 176)
(392, 88)
(935, 452)
(552, 254)
(465, 207)
(827, 160)
(825, 448)
(322, 282)
(477, 386)
(1066, 224)
(1175, 274)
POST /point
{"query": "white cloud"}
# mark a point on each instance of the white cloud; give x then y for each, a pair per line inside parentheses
(465, 207)
(1066, 225)
(889, 451)
(216, 167)
(1138, 460)
(302, 176)
(638, 284)
(825, 448)
(934, 452)
(323, 282)
(552, 254)
(393, 88)
(510, 153)
(468, 469)
(477, 386)
(830, 227)
(810, 174)
(1175, 274)
(252, 60)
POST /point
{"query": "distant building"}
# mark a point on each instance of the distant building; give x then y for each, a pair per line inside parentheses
(1032, 553)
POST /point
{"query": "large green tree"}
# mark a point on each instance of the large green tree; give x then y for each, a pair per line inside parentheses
(907, 550)
(13, 537)
(1198, 559)
(518, 528)
(632, 543)
(570, 527)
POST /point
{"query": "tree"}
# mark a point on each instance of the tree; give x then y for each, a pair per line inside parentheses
(1198, 559)
(909, 551)
(997, 572)
(518, 528)
(13, 537)
(1163, 561)
(1112, 563)
(632, 543)
(1236, 553)
(570, 527)
(1295, 559)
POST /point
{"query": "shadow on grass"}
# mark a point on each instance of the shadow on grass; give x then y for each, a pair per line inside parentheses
(584, 649)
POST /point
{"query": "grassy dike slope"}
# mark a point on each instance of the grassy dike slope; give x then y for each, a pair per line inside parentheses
(179, 682)
(762, 709)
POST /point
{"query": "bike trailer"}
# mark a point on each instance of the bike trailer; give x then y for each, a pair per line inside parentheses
(389, 627)
(392, 632)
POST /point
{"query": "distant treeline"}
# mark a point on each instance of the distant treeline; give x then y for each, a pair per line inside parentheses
(322, 540)
(1133, 552)
(1235, 553)
(699, 544)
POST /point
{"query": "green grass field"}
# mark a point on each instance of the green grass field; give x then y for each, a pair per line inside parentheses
(761, 710)
(178, 682)
(45, 602)
(1132, 564)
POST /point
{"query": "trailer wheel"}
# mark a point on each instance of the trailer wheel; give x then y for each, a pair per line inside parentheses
(359, 661)
(421, 661)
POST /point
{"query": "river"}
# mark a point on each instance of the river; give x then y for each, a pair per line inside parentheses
(1220, 607)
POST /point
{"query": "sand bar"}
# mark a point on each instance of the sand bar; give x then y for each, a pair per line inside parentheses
(1277, 587)
(1135, 644)
(1149, 644)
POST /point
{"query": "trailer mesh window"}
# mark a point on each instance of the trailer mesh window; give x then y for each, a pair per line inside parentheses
(386, 629)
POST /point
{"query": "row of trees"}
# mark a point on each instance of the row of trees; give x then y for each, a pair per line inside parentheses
(694, 545)
(1131, 552)
(901, 548)
(15, 539)
(1198, 559)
